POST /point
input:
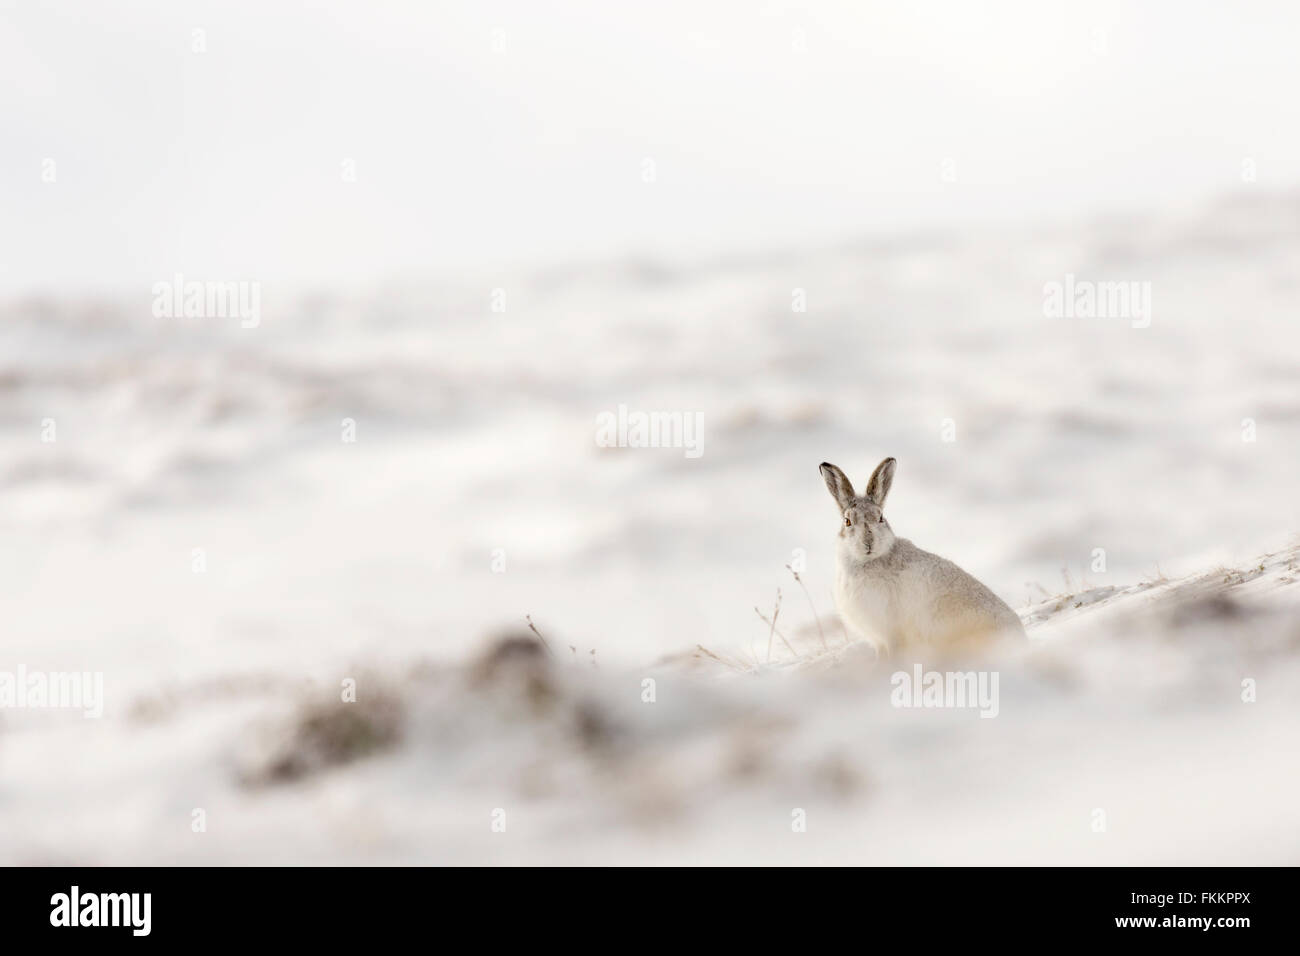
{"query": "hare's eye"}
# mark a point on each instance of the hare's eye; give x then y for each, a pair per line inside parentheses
(848, 522)
(882, 520)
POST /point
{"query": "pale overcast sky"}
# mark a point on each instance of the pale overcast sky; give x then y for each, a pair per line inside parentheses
(487, 134)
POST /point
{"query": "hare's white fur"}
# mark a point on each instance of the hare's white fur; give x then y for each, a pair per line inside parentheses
(894, 595)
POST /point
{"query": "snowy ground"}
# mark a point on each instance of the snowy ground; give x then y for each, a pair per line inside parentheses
(1124, 733)
(374, 560)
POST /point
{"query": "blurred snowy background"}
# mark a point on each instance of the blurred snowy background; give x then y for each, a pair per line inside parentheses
(826, 228)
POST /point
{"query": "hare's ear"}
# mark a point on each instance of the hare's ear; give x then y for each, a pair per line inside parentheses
(838, 483)
(881, 479)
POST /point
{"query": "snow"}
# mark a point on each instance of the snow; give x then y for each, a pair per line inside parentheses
(327, 561)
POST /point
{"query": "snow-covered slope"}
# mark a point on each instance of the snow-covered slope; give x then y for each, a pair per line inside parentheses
(1150, 723)
(180, 511)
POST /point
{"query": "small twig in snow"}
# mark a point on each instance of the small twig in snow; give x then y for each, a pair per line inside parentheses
(776, 611)
(799, 581)
(533, 627)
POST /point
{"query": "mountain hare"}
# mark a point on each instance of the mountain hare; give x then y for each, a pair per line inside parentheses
(893, 594)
